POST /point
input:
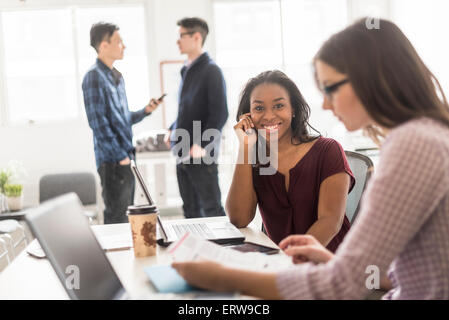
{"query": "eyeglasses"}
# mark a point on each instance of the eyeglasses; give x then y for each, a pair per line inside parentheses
(328, 90)
(184, 33)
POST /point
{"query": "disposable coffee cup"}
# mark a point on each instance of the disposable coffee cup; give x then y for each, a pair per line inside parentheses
(143, 220)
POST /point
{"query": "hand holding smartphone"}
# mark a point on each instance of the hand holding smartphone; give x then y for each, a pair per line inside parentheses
(246, 130)
(154, 103)
(245, 123)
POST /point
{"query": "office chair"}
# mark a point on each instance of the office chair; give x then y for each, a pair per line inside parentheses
(362, 167)
(82, 183)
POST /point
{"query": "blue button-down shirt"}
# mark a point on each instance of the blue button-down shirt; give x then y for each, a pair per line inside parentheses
(108, 114)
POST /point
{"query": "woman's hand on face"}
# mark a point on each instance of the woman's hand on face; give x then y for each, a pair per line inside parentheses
(305, 248)
(245, 130)
(202, 274)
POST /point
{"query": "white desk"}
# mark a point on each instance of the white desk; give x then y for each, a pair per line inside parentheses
(31, 278)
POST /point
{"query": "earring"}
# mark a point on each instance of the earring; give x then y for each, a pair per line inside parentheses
(293, 116)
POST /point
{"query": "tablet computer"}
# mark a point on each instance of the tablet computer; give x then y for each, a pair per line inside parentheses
(254, 247)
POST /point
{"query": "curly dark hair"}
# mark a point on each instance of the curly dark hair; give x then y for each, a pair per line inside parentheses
(300, 123)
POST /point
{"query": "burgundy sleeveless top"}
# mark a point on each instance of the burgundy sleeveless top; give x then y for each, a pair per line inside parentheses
(294, 211)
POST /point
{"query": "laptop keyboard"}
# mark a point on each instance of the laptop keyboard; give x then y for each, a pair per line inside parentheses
(199, 229)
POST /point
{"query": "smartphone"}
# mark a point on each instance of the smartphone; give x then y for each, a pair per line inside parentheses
(162, 97)
(254, 247)
(251, 130)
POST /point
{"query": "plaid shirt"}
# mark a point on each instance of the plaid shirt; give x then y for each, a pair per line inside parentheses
(108, 114)
(403, 225)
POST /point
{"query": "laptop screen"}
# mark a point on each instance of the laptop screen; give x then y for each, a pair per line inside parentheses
(73, 250)
(150, 200)
(141, 182)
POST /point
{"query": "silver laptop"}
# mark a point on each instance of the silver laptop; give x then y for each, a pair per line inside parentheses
(171, 230)
(73, 250)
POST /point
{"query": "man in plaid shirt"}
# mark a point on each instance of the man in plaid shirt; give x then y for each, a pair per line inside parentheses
(111, 121)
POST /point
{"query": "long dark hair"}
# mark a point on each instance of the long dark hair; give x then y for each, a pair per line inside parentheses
(386, 73)
(301, 109)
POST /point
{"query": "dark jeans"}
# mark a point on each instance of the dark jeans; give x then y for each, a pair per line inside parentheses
(199, 189)
(117, 184)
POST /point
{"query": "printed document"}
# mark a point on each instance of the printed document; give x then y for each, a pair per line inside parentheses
(191, 248)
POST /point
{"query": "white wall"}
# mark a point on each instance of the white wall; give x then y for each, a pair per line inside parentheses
(373, 8)
(51, 148)
(429, 39)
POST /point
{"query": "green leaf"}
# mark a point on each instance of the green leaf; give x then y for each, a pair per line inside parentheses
(5, 175)
(13, 190)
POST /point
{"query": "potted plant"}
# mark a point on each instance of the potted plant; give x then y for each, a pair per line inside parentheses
(5, 175)
(11, 186)
(13, 193)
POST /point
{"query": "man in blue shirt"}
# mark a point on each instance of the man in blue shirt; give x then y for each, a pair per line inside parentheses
(202, 111)
(110, 119)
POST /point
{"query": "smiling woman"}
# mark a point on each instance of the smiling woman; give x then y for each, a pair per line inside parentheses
(272, 99)
(278, 86)
(307, 192)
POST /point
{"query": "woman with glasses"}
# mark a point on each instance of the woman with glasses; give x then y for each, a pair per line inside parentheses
(301, 188)
(385, 88)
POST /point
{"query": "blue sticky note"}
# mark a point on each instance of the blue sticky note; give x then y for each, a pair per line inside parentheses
(167, 280)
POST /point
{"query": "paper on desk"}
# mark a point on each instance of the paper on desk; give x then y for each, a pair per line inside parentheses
(114, 242)
(191, 248)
